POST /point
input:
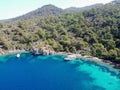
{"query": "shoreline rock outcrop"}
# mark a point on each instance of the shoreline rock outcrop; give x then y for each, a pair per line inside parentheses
(42, 49)
(42, 52)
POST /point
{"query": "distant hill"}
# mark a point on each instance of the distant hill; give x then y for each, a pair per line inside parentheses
(84, 8)
(46, 10)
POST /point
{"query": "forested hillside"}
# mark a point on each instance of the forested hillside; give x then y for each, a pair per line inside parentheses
(75, 9)
(49, 10)
(93, 32)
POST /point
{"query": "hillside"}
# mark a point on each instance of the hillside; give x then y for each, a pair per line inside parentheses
(44, 11)
(93, 32)
(49, 10)
(75, 9)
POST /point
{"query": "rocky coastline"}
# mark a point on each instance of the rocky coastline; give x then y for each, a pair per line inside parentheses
(74, 56)
(70, 56)
(42, 52)
(5, 52)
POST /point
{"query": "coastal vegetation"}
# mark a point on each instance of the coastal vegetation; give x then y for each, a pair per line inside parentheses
(94, 32)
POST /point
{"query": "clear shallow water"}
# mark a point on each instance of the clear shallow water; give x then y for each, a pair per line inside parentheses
(52, 73)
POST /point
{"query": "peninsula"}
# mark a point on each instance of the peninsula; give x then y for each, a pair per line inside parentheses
(93, 31)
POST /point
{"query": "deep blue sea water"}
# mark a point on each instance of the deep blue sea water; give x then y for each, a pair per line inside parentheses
(53, 73)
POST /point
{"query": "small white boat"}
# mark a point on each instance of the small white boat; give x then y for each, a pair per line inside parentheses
(67, 59)
(70, 57)
(18, 55)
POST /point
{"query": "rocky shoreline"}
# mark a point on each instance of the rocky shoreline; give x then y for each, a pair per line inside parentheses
(73, 56)
(70, 56)
(5, 52)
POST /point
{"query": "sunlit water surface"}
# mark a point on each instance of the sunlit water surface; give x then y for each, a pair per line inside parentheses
(53, 73)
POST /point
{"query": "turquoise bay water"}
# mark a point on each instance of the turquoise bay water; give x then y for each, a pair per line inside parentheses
(53, 73)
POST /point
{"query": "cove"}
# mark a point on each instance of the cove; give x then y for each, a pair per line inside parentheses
(53, 73)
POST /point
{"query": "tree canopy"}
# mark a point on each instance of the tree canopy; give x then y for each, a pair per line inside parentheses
(95, 32)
